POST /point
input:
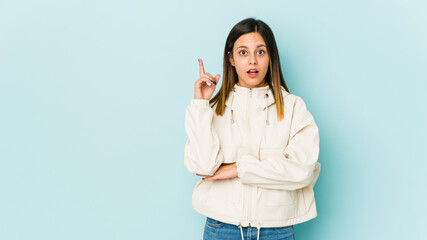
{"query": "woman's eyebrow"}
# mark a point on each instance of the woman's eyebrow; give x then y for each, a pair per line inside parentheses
(262, 45)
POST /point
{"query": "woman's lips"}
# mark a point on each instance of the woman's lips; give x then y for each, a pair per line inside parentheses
(253, 74)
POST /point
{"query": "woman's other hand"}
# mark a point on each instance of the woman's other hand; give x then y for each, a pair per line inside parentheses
(225, 171)
(201, 89)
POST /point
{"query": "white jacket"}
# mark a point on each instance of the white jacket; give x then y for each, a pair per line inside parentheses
(276, 160)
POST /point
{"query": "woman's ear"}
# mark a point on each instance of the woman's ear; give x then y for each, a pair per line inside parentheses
(231, 59)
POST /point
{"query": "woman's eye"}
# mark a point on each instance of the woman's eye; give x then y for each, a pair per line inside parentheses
(259, 52)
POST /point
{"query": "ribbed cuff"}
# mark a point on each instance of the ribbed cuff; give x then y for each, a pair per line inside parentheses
(239, 166)
(199, 103)
(242, 165)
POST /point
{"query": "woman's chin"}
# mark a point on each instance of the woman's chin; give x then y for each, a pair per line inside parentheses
(252, 83)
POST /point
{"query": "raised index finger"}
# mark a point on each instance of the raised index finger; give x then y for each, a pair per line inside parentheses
(201, 68)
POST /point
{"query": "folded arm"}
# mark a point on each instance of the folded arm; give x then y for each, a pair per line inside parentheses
(297, 167)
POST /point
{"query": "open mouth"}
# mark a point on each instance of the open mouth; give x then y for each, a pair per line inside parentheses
(252, 73)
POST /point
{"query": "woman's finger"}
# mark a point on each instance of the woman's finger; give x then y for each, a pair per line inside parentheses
(205, 79)
(201, 68)
(209, 75)
(209, 78)
(215, 79)
(208, 178)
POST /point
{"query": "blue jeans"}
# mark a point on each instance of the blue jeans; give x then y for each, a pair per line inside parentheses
(216, 230)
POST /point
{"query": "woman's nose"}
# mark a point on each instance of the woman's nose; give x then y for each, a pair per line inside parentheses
(252, 60)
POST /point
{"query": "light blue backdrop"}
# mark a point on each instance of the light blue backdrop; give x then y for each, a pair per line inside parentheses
(93, 96)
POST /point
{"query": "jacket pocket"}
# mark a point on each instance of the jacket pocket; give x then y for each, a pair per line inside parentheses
(229, 190)
(273, 197)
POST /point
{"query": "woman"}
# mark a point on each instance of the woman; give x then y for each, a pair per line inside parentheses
(255, 144)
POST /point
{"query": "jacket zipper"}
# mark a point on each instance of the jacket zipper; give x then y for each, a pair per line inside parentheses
(250, 151)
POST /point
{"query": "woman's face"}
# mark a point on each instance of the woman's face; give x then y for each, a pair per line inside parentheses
(250, 52)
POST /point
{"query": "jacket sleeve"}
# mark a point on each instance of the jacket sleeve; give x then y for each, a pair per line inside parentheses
(297, 167)
(202, 153)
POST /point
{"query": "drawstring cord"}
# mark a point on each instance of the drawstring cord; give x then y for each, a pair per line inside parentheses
(258, 230)
(241, 231)
(266, 107)
(267, 122)
(232, 98)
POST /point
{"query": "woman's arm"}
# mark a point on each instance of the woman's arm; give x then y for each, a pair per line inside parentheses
(202, 153)
(297, 167)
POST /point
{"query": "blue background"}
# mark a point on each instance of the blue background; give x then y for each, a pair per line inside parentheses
(92, 105)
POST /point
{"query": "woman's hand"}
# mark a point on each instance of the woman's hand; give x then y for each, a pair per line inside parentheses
(201, 89)
(225, 171)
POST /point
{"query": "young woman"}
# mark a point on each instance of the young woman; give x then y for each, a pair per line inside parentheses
(255, 144)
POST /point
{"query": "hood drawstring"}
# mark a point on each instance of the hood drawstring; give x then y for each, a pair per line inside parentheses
(267, 122)
(258, 230)
(266, 107)
(231, 105)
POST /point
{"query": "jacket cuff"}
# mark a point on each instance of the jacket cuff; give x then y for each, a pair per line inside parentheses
(199, 103)
(240, 169)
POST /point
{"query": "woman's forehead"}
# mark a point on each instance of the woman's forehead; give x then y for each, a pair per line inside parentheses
(250, 40)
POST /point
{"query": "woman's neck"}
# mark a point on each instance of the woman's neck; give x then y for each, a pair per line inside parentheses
(265, 84)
